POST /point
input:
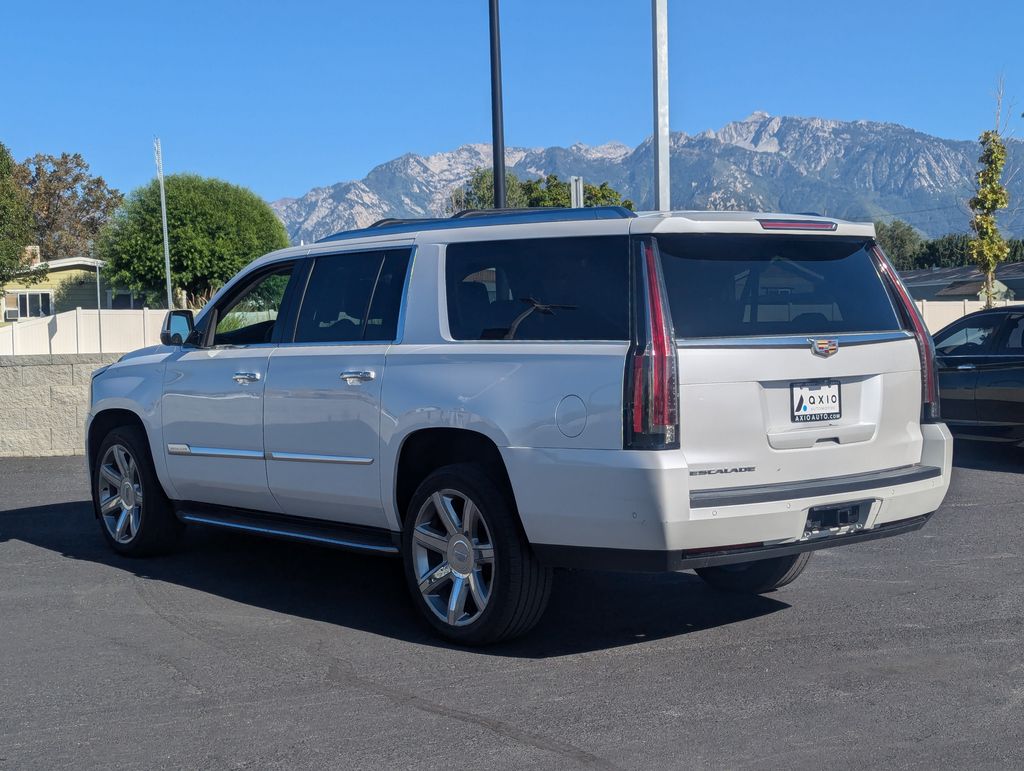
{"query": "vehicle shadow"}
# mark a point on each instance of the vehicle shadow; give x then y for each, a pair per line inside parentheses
(988, 456)
(589, 610)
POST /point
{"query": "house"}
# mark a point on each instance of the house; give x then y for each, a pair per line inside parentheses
(964, 283)
(69, 283)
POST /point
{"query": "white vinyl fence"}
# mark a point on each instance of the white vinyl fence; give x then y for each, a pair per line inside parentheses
(89, 331)
(82, 331)
(939, 313)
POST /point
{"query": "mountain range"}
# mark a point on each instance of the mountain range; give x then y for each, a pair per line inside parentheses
(858, 170)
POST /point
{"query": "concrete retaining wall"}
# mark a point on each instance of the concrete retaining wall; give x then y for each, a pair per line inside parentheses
(43, 402)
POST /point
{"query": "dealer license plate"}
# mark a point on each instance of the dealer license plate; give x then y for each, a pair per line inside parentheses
(815, 401)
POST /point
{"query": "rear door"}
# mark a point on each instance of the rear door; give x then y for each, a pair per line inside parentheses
(322, 402)
(961, 350)
(793, 363)
(1000, 388)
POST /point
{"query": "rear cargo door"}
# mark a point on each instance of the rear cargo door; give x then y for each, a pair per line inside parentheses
(793, 363)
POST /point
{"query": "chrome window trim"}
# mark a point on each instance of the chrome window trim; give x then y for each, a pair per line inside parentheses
(313, 458)
(793, 341)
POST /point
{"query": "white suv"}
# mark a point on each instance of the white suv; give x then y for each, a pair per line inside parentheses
(498, 394)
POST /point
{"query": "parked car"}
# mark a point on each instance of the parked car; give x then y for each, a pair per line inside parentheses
(981, 375)
(495, 395)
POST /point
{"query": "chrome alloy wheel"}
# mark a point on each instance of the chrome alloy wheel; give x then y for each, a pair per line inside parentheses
(453, 554)
(120, 494)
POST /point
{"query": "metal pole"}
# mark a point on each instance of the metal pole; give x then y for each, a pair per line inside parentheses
(99, 321)
(659, 30)
(497, 118)
(163, 215)
(576, 192)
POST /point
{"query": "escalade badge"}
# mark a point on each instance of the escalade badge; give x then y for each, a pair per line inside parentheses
(825, 346)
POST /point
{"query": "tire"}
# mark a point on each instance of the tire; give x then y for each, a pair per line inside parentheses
(477, 549)
(148, 526)
(756, 577)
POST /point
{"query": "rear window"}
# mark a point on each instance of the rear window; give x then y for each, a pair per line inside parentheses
(539, 289)
(740, 286)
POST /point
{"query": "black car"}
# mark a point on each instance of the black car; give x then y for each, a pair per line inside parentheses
(981, 375)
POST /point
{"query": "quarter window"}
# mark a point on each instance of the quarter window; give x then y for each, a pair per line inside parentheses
(539, 289)
(353, 297)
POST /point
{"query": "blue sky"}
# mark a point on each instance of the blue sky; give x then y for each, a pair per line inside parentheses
(282, 97)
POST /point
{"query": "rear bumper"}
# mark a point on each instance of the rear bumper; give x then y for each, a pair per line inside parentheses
(627, 508)
(651, 561)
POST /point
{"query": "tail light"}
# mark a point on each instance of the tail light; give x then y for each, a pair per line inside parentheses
(651, 403)
(925, 346)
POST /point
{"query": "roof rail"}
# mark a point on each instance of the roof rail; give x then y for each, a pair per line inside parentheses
(471, 218)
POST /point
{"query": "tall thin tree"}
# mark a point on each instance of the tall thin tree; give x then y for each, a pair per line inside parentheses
(988, 247)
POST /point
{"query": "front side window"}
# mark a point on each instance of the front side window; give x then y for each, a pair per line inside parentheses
(539, 289)
(250, 317)
(746, 286)
(967, 339)
(353, 297)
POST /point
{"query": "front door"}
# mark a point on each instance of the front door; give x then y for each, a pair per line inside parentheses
(213, 399)
(322, 411)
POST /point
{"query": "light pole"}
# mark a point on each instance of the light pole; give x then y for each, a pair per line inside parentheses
(497, 118)
(660, 140)
(163, 216)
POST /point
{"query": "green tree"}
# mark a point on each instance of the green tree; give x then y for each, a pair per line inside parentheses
(478, 193)
(1016, 250)
(948, 251)
(900, 242)
(15, 225)
(69, 206)
(214, 229)
(551, 191)
(988, 248)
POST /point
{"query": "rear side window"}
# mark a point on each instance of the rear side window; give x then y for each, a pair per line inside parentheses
(1013, 345)
(740, 286)
(353, 297)
(539, 289)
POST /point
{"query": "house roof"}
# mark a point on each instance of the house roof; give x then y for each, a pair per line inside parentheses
(73, 262)
(969, 288)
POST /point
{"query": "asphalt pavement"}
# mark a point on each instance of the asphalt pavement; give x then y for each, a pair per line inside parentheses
(236, 652)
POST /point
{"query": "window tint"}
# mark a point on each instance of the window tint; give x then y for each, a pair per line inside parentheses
(250, 317)
(353, 297)
(1013, 345)
(738, 286)
(539, 289)
(967, 339)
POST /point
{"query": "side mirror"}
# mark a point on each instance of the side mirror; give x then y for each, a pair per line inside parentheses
(177, 327)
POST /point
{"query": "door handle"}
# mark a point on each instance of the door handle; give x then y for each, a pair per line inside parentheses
(358, 376)
(966, 366)
(244, 378)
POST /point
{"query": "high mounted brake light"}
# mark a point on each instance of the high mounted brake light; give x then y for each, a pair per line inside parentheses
(782, 224)
(926, 347)
(651, 394)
